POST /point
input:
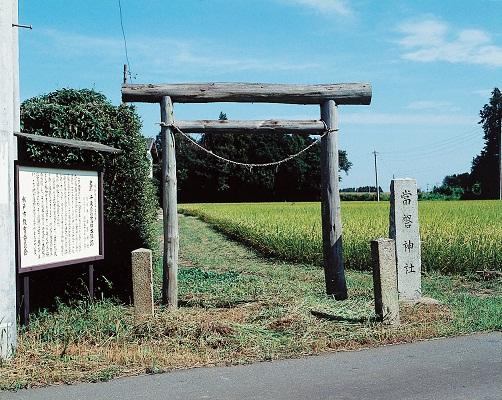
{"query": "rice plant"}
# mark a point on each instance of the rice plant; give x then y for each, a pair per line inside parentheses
(457, 237)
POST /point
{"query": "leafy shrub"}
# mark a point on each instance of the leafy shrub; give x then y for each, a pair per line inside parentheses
(129, 198)
(361, 196)
(443, 192)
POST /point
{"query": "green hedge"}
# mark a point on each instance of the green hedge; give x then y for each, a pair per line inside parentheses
(130, 204)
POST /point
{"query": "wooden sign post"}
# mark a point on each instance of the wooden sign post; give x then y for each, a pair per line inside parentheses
(327, 96)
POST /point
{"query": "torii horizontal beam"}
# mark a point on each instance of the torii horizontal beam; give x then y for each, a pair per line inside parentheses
(341, 93)
(311, 127)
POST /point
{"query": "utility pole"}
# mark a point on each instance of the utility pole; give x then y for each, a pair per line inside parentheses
(500, 159)
(376, 176)
(9, 123)
(124, 78)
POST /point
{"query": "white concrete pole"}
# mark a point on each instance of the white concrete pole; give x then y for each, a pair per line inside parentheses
(9, 121)
(15, 74)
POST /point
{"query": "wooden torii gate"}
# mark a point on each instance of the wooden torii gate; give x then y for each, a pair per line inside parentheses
(327, 96)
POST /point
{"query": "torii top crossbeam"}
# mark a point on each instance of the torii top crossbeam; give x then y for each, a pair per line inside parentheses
(341, 93)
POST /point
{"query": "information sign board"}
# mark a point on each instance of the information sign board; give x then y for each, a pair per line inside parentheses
(59, 217)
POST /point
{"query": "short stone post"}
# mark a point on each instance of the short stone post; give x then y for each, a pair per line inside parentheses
(383, 255)
(142, 282)
(404, 230)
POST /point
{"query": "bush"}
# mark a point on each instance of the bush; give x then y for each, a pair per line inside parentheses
(129, 197)
(361, 196)
(443, 192)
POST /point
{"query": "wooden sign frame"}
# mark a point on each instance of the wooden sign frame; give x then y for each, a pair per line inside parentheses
(100, 229)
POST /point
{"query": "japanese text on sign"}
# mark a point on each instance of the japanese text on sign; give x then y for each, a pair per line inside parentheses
(58, 215)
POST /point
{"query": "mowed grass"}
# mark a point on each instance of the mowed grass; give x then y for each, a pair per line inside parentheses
(236, 307)
(457, 236)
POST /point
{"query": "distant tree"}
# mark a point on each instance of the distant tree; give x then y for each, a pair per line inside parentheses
(450, 189)
(484, 171)
(462, 181)
(363, 189)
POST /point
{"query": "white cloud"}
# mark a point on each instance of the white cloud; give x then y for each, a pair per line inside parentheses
(382, 118)
(72, 44)
(421, 105)
(165, 54)
(416, 119)
(340, 7)
(434, 40)
(486, 93)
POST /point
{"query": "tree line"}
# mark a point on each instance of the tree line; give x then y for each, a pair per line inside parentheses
(204, 178)
(483, 180)
(362, 189)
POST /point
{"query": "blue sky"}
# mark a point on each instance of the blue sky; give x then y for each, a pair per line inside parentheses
(432, 65)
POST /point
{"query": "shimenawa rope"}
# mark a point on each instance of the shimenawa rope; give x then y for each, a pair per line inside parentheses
(249, 165)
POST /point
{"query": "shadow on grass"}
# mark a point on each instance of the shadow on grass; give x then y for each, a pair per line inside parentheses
(339, 318)
(218, 304)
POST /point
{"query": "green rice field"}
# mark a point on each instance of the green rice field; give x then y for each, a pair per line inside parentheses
(457, 236)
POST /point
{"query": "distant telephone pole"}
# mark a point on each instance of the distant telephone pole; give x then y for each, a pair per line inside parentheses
(376, 176)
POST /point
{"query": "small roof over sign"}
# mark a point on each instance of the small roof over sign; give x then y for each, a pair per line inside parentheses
(79, 144)
(151, 146)
(149, 143)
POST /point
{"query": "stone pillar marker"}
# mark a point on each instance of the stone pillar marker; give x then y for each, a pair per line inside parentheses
(404, 229)
(142, 282)
(383, 256)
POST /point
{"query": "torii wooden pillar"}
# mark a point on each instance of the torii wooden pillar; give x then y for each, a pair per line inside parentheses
(327, 96)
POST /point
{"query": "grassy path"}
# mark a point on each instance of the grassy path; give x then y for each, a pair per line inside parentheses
(458, 237)
(276, 293)
(236, 307)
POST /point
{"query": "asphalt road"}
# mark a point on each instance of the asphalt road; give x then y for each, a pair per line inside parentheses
(468, 367)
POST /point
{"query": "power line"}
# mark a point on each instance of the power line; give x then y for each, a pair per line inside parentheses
(125, 40)
(472, 134)
(432, 151)
(412, 169)
(411, 166)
